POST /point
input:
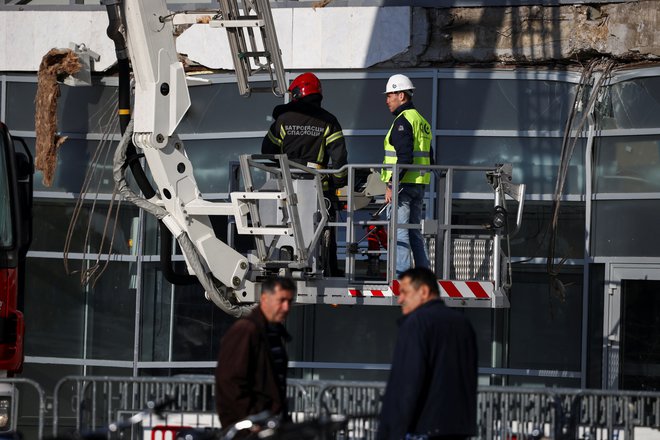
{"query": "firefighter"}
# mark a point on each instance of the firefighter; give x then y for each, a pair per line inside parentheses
(407, 142)
(311, 136)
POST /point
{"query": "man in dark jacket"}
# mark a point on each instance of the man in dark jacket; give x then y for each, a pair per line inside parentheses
(432, 389)
(251, 372)
(311, 136)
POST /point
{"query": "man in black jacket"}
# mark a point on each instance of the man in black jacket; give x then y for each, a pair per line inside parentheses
(432, 389)
(311, 136)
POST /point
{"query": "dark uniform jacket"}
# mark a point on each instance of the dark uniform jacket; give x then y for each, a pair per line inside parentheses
(308, 134)
(432, 388)
(246, 382)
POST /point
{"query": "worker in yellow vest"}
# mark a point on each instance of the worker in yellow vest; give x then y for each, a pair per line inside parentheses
(407, 142)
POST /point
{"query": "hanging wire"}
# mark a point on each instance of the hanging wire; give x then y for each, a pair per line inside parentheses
(570, 139)
(99, 170)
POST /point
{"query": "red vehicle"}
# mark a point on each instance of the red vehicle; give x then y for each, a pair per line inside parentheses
(16, 170)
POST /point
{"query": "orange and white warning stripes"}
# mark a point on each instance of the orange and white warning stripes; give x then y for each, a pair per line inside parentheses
(448, 289)
(375, 291)
(466, 289)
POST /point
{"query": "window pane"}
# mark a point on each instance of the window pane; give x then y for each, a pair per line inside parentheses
(73, 159)
(632, 104)
(151, 235)
(79, 109)
(54, 310)
(365, 149)
(503, 104)
(628, 164)
(219, 108)
(595, 325)
(20, 105)
(623, 227)
(111, 315)
(535, 162)
(533, 237)
(545, 317)
(109, 371)
(95, 109)
(211, 160)
(156, 315)
(482, 322)
(51, 223)
(198, 325)
(360, 103)
(376, 326)
(316, 328)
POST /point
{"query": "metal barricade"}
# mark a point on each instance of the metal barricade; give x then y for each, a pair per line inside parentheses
(303, 398)
(22, 398)
(503, 413)
(606, 413)
(360, 401)
(98, 401)
(506, 413)
(563, 414)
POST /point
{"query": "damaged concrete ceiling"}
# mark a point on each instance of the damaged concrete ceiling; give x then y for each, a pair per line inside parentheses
(352, 37)
(533, 34)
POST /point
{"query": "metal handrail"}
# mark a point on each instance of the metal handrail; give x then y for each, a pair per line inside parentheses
(445, 227)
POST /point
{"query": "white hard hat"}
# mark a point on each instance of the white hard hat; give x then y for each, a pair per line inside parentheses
(399, 83)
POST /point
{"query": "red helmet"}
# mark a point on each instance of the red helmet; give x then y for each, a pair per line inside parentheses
(305, 85)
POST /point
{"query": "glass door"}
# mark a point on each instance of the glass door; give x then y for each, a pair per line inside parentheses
(632, 330)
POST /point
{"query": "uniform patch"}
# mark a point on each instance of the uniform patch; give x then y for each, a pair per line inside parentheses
(400, 128)
(303, 130)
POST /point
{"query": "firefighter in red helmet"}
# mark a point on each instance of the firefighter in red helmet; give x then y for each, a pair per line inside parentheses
(305, 85)
(311, 136)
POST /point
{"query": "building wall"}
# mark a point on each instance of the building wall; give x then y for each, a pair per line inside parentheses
(131, 321)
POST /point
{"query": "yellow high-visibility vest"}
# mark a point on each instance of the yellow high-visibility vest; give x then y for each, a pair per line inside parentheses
(421, 149)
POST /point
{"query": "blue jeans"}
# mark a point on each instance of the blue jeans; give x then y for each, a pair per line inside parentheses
(409, 211)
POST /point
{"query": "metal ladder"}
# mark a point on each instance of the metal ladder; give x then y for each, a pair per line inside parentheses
(253, 41)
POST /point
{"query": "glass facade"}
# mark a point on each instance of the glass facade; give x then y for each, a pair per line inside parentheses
(133, 320)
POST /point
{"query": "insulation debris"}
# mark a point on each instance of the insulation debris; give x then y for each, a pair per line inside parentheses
(56, 63)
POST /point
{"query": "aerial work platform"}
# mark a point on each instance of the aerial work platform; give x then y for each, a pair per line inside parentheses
(288, 216)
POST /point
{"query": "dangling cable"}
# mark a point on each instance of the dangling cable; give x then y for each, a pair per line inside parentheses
(99, 161)
(569, 143)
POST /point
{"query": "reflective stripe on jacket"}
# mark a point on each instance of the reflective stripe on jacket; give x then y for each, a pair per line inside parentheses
(421, 149)
(308, 135)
